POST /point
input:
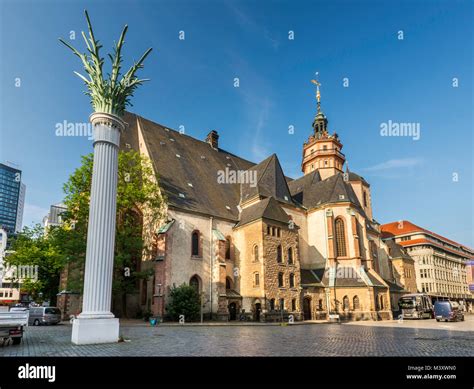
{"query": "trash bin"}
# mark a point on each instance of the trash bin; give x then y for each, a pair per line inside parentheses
(154, 321)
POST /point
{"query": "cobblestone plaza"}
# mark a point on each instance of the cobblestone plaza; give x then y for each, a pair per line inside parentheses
(414, 338)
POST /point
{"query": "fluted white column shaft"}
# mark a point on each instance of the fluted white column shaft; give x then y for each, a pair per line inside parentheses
(102, 218)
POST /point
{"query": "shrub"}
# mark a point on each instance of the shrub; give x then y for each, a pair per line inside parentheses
(184, 301)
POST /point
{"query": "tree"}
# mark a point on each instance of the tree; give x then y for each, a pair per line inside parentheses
(185, 301)
(138, 199)
(32, 247)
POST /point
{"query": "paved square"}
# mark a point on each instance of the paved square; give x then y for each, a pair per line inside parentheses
(364, 339)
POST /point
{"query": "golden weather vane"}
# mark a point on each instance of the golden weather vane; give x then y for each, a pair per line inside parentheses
(318, 94)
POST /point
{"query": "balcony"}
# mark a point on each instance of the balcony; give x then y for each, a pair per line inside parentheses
(324, 152)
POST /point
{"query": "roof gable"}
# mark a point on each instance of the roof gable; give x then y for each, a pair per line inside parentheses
(267, 208)
(271, 181)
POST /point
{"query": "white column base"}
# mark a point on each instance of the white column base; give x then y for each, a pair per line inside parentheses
(94, 331)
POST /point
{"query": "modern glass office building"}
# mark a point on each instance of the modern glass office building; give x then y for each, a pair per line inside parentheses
(11, 198)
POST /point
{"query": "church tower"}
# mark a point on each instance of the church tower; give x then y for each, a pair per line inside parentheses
(322, 151)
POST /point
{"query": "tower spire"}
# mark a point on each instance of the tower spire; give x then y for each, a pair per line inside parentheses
(320, 122)
(318, 93)
(322, 151)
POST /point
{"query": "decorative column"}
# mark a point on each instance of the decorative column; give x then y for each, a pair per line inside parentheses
(96, 323)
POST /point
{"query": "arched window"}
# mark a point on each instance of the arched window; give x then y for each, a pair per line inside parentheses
(355, 303)
(195, 244)
(228, 243)
(365, 199)
(195, 283)
(279, 254)
(228, 283)
(381, 302)
(255, 253)
(320, 304)
(272, 304)
(292, 280)
(256, 279)
(341, 250)
(280, 280)
(345, 303)
(282, 304)
(290, 255)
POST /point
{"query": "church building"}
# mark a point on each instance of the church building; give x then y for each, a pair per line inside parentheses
(264, 246)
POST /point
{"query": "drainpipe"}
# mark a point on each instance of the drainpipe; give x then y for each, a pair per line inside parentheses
(211, 264)
(328, 294)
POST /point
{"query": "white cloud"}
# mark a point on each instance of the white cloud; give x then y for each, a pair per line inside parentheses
(395, 164)
(250, 25)
(260, 152)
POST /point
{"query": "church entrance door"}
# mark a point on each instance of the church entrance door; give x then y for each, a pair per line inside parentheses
(258, 308)
(307, 308)
(232, 311)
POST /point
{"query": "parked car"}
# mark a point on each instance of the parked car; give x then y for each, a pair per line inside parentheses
(44, 315)
(12, 323)
(448, 311)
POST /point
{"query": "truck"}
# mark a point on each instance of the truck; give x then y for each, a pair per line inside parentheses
(416, 306)
(13, 323)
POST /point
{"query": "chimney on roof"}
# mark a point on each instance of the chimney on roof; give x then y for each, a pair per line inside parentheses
(213, 139)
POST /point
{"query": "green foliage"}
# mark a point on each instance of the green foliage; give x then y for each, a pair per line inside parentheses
(184, 301)
(32, 247)
(137, 190)
(107, 95)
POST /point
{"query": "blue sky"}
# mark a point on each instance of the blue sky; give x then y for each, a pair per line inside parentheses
(192, 84)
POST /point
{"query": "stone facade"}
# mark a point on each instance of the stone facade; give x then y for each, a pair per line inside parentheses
(281, 269)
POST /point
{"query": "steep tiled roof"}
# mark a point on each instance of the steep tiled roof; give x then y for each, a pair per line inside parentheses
(355, 177)
(350, 281)
(301, 185)
(188, 173)
(347, 276)
(271, 181)
(314, 192)
(396, 250)
(395, 287)
(310, 278)
(188, 168)
(267, 208)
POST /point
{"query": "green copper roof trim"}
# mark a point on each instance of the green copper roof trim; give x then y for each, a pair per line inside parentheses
(163, 229)
(218, 235)
(365, 277)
